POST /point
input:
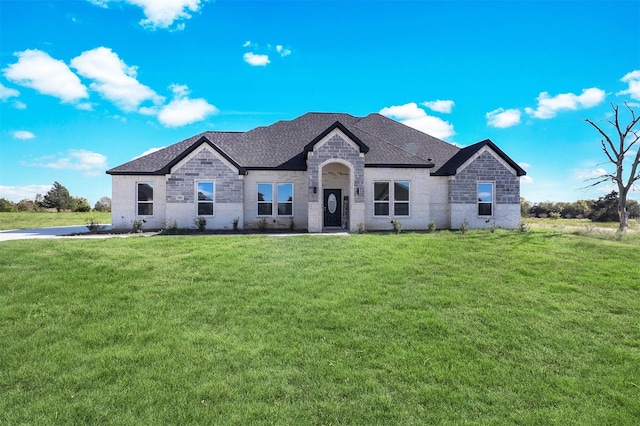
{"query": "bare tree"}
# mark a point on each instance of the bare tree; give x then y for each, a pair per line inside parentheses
(616, 149)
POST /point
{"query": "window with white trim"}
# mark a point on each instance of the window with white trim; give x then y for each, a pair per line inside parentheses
(485, 198)
(205, 197)
(391, 199)
(265, 199)
(285, 199)
(144, 199)
(401, 198)
(381, 198)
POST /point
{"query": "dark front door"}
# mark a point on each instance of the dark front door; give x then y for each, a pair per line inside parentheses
(332, 207)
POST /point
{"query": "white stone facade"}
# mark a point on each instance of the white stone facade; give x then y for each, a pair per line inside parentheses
(336, 163)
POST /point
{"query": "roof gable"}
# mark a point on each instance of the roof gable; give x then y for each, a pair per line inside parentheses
(203, 142)
(160, 162)
(451, 167)
(337, 125)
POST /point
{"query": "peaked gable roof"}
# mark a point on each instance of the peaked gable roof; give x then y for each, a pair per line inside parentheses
(160, 162)
(450, 167)
(285, 144)
(337, 125)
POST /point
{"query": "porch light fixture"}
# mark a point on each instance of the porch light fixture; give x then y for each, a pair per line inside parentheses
(358, 191)
(315, 189)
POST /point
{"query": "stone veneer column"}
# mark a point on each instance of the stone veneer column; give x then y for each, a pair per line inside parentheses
(336, 148)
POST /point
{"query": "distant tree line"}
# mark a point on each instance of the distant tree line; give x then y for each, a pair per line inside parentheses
(604, 209)
(57, 198)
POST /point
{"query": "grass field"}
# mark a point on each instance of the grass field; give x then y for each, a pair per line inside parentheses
(442, 328)
(633, 224)
(25, 220)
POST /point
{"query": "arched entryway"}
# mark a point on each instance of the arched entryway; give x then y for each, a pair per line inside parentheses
(336, 184)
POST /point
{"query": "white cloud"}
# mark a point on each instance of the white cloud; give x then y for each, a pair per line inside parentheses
(256, 60)
(6, 93)
(526, 180)
(525, 166)
(282, 51)
(161, 13)
(590, 174)
(443, 106)
(23, 135)
(27, 192)
(39, 71)
(149, 151)
(113, 79)
(102, 3)
(548, 106)
(74, 159)
(633, 79)
(19, 105)
(182, 110)
(262, 59)
(413, 116)
(502, 118)
(85, 106)
(403, 112)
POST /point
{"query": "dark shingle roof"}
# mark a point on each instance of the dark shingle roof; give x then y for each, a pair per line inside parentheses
(451, 166)
(160, 162)
(283, 145)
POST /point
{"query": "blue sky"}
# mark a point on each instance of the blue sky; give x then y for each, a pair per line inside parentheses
(88, 85)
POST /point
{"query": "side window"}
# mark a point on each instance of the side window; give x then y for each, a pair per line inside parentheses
(485, 199)
(381, 198)
(144, 199)
(401, 198)
(285, 199)
(265, 199)
(205, 198)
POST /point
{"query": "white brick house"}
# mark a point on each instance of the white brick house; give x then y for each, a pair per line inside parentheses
(318, 172)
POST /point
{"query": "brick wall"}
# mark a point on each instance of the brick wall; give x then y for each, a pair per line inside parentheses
(124, 204)
(485, 168)
(335, 148)
(204, 165)
(464, 191)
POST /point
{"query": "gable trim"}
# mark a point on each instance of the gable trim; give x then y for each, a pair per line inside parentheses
(470, 153)
(203, 140)
(337, 125)
(478, 153)
(199, 148)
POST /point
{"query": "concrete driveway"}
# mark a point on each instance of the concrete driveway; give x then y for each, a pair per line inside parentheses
(58, 231)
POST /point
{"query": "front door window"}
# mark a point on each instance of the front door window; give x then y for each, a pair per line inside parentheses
(332, 207)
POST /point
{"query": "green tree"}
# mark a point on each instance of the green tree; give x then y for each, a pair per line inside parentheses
(57, 198)
(525, 207)
(583, 209)
(81, 204)
(617, 148)
(26, 206)
(633, 207)
(605, 209)
(103, 205)
(6, 205)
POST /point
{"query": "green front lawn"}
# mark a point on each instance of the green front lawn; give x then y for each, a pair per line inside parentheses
(517, 328)
(26, 220)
